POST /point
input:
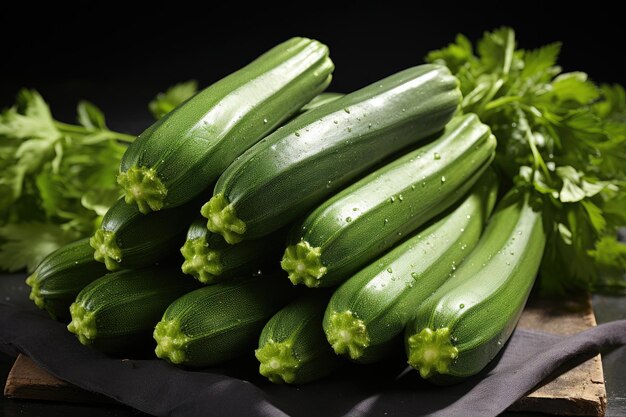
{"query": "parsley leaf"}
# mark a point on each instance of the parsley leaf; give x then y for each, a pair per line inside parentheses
(56, 179)
(562, 136)
(177, 94)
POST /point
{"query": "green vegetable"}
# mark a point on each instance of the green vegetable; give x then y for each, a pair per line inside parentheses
(309, 158)
(219, 322)
(367, 313)
(61, 275)
(457, 331)
(209, 259)
(176, 95)
(292, 348)
(117, 313)
(56, 179)
(129, 239)
(564, 137)
(367, 218)
(184, 152)
(320, 100)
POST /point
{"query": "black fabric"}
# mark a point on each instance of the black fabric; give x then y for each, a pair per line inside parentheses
(158, 388)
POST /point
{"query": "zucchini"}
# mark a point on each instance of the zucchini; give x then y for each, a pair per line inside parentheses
(458, 330)
(370, 216)
(292, 348)
(320, 100)
(219, 322)
(127, 238)
(61, 275)
(185, 151)
(367, 313)
(117, 313)
(209, 259)
(290, 171)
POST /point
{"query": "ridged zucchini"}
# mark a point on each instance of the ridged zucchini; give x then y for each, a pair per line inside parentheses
(185, 151)
(220, 322)
(292, 347)
(458, 330)
(209, 259)
(117, 313)
(320, 100)
(370, 216)
(59, 278)
(369, 311)
(290, 171)
(127, 238)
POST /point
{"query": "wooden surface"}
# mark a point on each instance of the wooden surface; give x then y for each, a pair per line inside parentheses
(29, 382)
(578, 392)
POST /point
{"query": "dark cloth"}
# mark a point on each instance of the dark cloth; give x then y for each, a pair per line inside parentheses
(389, 388)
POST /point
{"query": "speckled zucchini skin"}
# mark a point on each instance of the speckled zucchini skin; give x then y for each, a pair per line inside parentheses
(369, 311)
(367, 218)
(463, 326)
(184, 152)
(295, 168)
(117, 312)
(220, 322)
(61, 275)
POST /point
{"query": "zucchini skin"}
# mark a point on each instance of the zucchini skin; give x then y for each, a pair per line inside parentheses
(209, 259)
(127, 238)
(458, 330)
(370, 216)
(292, 347)
(60, 276)
(220, 322)
(184, 152)
(374, 305)
(290, 171)
(117, 313)
(320, 100)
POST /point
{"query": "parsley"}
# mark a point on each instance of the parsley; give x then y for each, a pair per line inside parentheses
(177, 94)
(561, 135)
(56, 179)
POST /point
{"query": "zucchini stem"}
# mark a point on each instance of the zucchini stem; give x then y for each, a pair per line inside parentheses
(83, 324)
(303, 264)
(347, 334)
(277, 362)
(222, 219)
(143, 187)
(106, 249)
(432, 352)
(171, 341)
(201, 262)
(35, 290)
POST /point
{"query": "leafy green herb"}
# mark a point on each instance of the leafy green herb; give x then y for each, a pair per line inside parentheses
(56, 179)
(561, 135)
(177, 94)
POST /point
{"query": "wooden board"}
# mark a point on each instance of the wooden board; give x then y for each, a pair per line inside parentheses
(579, 392)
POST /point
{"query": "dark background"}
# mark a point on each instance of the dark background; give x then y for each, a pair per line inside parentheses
(119, 59)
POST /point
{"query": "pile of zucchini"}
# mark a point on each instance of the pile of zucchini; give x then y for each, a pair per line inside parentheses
(382, 202)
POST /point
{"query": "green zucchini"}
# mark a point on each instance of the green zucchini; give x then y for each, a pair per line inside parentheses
(59, 278)
(127, 238)
(367, 313)
(209, 259)
(290, 171)
(458, 330)
(185, 151)
(292, 348)
(370, 216)
(117, 313)
(219, 322)
(320, 100)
